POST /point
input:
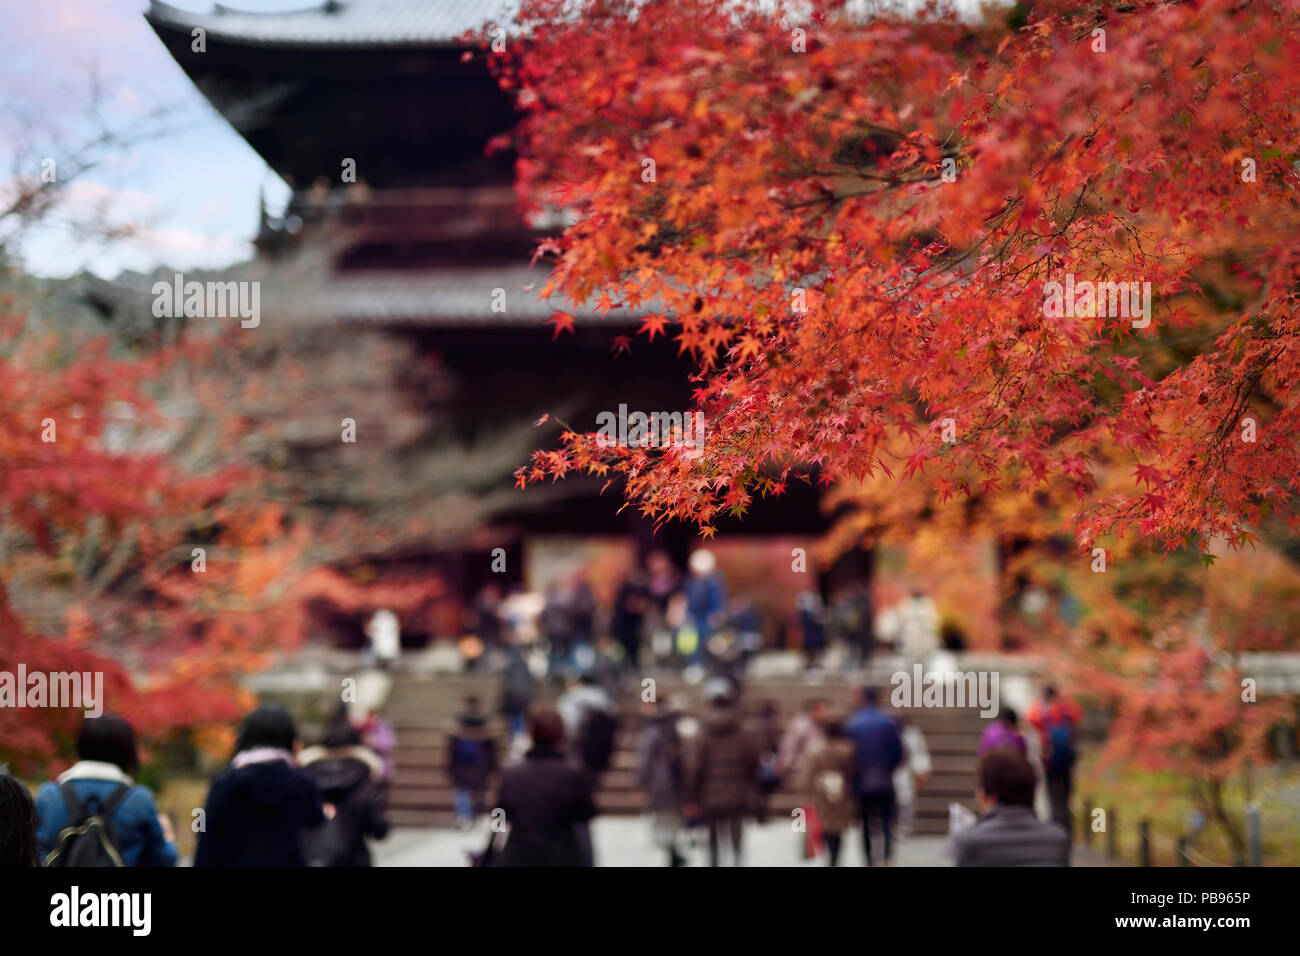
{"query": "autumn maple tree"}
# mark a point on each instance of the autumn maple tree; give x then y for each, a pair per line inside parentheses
(1166, 648)
(161, 524)
(850, 221)
(95, 519)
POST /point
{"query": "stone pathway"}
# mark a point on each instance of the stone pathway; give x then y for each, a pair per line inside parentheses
(625, 841)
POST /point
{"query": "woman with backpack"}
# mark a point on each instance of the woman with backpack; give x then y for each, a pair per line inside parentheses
(471, 760)
(517, 688)
(259, 806)
(95, 814)
(1056, 718)
(348, 775)
(831, 768)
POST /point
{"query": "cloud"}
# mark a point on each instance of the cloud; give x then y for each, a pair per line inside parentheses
(71, 237)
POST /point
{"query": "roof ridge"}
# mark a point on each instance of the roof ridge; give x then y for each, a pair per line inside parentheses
(334, 22)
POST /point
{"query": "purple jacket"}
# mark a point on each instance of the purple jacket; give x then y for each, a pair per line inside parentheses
(380, 737)
(1000, 735)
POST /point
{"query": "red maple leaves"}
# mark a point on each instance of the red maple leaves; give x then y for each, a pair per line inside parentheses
(853, 236)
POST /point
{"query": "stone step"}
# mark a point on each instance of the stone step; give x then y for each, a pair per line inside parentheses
(423, 711)
(434, 759)
(418, 714)
(403, 817)
(425, 790)
(787, 696)
(957, 784)
(429, 720)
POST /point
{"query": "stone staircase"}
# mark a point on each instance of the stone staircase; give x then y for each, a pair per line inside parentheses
(422, 708)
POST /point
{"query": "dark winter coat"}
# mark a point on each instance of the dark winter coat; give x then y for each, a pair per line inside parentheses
(348, 779)
(517, 684)
(255, 816)
(545, 799)
(725, 772)
(471, 753)
(879, 750)
(630, 605)
(1011, 836)
(660, 771)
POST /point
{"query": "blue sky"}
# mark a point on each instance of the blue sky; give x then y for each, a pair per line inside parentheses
(191, 191)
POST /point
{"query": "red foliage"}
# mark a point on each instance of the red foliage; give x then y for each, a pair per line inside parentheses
(777, 199)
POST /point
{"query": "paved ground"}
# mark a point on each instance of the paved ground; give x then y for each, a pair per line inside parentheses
(625, 841)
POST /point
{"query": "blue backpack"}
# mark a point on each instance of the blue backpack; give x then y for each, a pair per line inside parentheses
(1060, 748)
(466, 752)
(88, 838)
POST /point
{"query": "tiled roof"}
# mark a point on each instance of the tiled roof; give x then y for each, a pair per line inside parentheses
(394, 23)
(343, 22)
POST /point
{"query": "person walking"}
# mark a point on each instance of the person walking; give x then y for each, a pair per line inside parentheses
(259, 806)
(385, 633)
(767, 737)
(1056, 719)
(590, 723)
(18, 824)
(1002, 734)
(747, 624)
(912, 625)
(661, 774)
(631, 604)
(378, 734)
(804, 733)
(812, 627)
(100, 787)
(583, 606)
(349, 776)
(853, 617)
(1007, 832)
(471, 760)
(911, 775)
(706, 604)
(517, 688)
(830, 771)
(487, 615)
(724, 772)
(879, 750)
(557, 628)
(545, 800)
(662, 582)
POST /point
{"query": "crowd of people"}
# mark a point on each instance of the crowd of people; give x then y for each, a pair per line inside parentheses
(273, 804)
(663, 617)
(703, 776)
